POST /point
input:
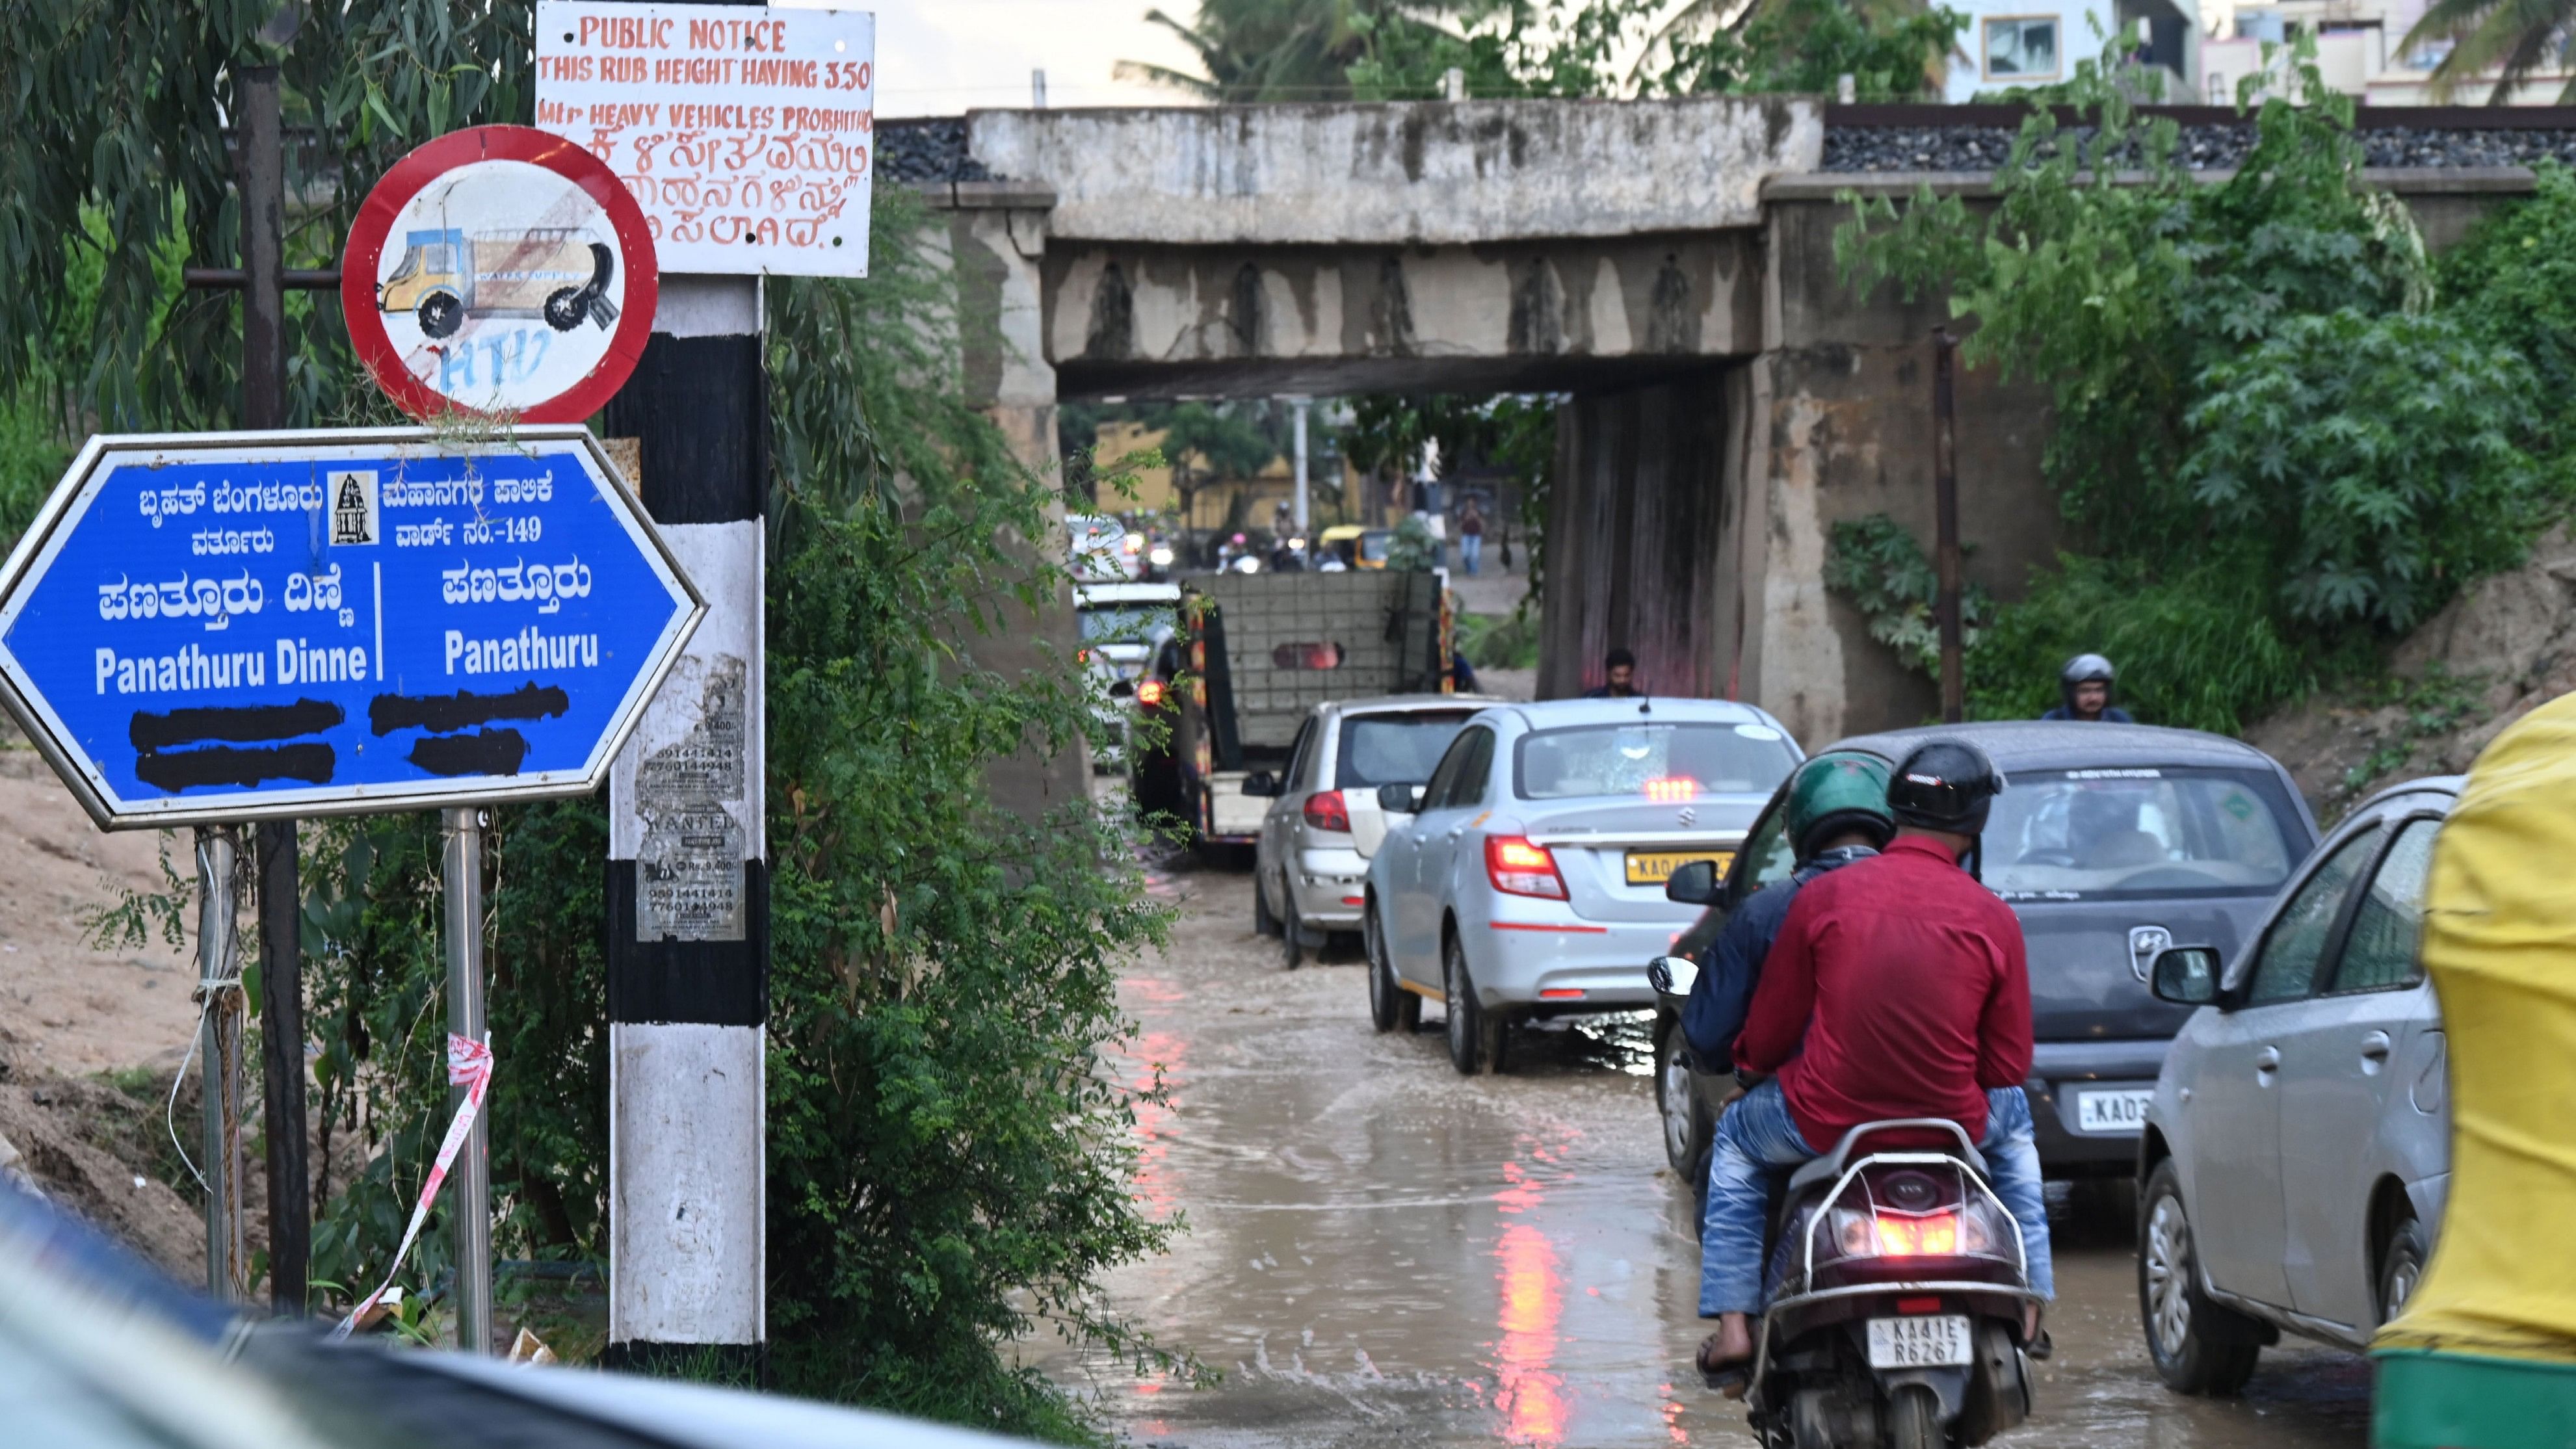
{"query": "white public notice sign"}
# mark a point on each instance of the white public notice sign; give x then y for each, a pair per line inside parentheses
(746, 134)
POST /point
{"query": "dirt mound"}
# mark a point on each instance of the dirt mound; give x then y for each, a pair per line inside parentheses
(2497, 652)
(103, 1151)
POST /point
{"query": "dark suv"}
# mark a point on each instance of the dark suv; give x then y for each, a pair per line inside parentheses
(2111, 842)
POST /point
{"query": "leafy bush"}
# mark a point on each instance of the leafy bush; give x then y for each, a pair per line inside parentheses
(1877, 565)
(2512, 281)
(2196, 650)
(2369, 463)
(2281, 451)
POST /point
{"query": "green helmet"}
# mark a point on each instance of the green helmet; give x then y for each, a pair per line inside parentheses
(1835, 795)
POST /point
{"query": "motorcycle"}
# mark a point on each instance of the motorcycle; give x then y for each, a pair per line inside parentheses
(1893, 1289)
(1893, 1300)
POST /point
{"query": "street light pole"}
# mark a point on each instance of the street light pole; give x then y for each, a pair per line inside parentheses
(1301, 404)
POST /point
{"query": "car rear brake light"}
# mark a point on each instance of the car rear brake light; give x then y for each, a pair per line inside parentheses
(1672, 789)
(1354, 900)
(1326, 811)
(1149, 693)
(1561, 993)
(1082, 656)
(1519, 868)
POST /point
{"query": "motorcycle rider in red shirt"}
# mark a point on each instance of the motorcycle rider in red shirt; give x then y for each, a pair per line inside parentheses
(1898, 987)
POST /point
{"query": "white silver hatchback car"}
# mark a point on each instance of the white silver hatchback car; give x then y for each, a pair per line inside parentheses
(1531, 880)
(2297, 1149)
(1324, 819)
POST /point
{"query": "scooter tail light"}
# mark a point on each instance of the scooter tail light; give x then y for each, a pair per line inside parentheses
(1934, 1235)
(1326, 810)
(1150, 692)
(1520, 868)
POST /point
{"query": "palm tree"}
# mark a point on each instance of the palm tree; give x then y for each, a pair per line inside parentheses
(1260, 50)
(2510, 38)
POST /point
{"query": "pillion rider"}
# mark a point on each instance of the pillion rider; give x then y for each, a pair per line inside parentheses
(1836, 814)
(1898, 987)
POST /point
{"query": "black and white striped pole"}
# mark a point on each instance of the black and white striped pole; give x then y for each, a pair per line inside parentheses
(688, 881)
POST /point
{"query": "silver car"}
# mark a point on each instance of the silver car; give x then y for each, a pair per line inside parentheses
(2297, 1149)
(1122, 624)
(1312, 850)
(1531, 882)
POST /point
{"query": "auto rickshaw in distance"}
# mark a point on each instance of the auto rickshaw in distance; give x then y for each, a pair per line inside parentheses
(2484, 1355)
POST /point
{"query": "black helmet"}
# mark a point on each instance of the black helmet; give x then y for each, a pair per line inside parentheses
(1944, 785)
(2084, 669)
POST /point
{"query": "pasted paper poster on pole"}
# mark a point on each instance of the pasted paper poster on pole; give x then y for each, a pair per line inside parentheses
(746, 134)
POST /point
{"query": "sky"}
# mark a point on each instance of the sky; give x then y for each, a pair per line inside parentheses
(944, 57)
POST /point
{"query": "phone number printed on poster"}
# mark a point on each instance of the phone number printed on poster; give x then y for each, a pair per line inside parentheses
(747, 135)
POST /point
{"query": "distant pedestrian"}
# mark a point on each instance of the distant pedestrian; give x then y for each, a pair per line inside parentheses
(1618, 677)
(1471, 537)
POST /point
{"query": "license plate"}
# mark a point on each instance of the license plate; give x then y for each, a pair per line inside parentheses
(1930, 1340)
(2112, 1111)
(1654, 867)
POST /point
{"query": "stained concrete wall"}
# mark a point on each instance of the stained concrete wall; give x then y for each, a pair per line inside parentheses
(1403, 173)
(1139, 320)
(1637, 510)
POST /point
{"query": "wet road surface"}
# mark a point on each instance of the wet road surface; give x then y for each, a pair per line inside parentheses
(1381, 1252)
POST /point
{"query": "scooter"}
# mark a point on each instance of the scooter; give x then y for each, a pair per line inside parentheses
(1894, 1295)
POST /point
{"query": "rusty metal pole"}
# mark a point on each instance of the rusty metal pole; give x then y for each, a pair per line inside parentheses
(263, 247)
(1945, 515)
(219, 1040)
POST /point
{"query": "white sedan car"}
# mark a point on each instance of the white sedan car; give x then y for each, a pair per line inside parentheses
(1530, 879)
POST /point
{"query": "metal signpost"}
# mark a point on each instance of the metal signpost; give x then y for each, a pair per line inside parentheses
(214, 628)
(746, 134)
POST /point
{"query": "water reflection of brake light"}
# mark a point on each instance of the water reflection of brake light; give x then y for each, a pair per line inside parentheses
(1149, 693)
(1518, 867)
(1672, 789)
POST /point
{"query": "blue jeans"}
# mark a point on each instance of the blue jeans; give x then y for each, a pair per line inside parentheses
(1757, 1138)
(1471, 548)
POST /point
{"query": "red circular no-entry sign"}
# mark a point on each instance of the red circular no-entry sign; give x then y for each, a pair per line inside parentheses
(500, 270)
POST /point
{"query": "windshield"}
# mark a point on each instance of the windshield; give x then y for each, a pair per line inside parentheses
(1659, 761)
(1124, 623)
(1394, 749)
(2082, 834)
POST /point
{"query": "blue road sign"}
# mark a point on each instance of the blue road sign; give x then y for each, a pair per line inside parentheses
(213, 627)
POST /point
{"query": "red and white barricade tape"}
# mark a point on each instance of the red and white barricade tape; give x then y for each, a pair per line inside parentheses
(469, 1065)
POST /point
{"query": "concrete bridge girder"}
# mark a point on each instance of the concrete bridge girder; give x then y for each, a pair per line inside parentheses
(1669, 264)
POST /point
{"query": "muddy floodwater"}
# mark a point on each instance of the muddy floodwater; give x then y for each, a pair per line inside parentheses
(1381, 1252)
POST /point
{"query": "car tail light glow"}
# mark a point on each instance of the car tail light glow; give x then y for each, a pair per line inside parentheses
(1325, 810)
(1672, 789)
(1519, 868)
(1150, 692)
(1918, 1305)
(1561, 993)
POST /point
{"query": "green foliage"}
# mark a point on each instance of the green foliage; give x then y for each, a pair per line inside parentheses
(118, 150)
(2373, 461)
(2281, 452)
(1260, 50)
(1875, 563)
(1499, 641)
(1892, 53)
(2196, 649)
(1413, 550)
(1391, 435)
(2512, 281)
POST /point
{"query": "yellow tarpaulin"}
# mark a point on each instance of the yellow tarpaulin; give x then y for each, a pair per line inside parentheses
(2500, 942)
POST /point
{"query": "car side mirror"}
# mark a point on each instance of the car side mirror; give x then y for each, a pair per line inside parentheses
(1261, 783)
(1694, 883)
(2185, 975)
(1672, 975)
(1399, 799)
